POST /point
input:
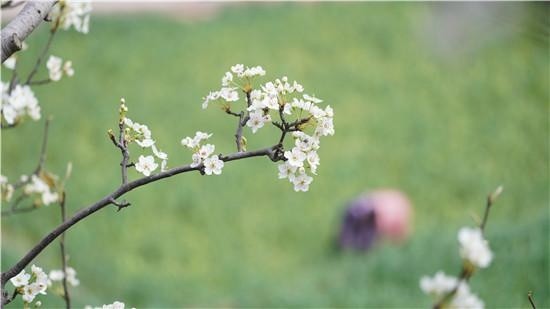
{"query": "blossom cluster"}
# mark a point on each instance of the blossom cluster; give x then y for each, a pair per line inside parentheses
(56, 68)
(475, 252)
(203, 154)
(440, 284)
(30, 285)
(59, 275)
(18, 102)
(297, 112)
(73, 13)
(38, 185)
(141, 134)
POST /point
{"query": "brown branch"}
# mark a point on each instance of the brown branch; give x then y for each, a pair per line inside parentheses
(66, 295)
(43, 149)
(10, 5)
(270, 152)
(32, 14)
(244, 116)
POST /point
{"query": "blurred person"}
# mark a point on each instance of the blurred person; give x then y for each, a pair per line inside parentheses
(380, 214)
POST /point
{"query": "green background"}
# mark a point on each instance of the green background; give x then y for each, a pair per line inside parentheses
(444, 127)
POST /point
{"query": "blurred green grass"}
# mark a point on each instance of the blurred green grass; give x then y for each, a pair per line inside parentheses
(445, 130)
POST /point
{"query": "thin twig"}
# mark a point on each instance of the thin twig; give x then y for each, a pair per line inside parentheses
(66, 295)
(40, 82)
(244, 116)
(43, 149)
(124, 151)
(42, 55)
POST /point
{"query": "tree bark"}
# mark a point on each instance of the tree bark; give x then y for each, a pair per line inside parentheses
(17, 30)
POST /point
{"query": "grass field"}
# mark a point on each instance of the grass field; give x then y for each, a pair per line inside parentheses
(445, 129)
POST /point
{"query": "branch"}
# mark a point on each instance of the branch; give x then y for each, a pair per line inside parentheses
(270, 152)
(32, 14)
(42, 55)
(531, 301)
(66, 295)
(243, 119)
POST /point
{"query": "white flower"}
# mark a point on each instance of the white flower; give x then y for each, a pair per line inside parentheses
(37, 185)
(197, 160)
(254, 71)
(287, 109)
(286, 170)
(439, 285)
(213, 95)
(54, 66)
(295, 157)
(49, 197)
(10, 62)
(299, 103)
(56, 275)
(30, 291)
(313, 160)
(464, 299)
(238, 69)
(325, 127)
(6, 188)
(21, 101)
(71, 277)
(473, 247)
(229, 94)
(226, 79)
(42, 280)
(312, 99)
(297, 87)
(162, 156)
(329, 111)
(257, 120)
(145, 143)
(146, 165)
(301, 182)
(213, 165)
(74, 13)
(21, 279)
(206, 150)
(68, 68)
(195, 141)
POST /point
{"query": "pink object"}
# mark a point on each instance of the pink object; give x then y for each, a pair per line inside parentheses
(393, 214)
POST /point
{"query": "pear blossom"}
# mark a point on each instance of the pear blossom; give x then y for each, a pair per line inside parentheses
(286, 170)
(146, 165)
(206, 150)
(74, 13)
(227, 78)
(20, 102)
(464, 299)
(295, 157)
(439, 285)
(68, 68)
(238, 69)
(39, 186)
(257, 120)
(162, 156)
(213, 95)
(474, 248)
(213, 165)
(21, 279)
(229, 94)
(312, 99)
(58, 275)
(54, 65)
(301, 182)
(30, 291)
